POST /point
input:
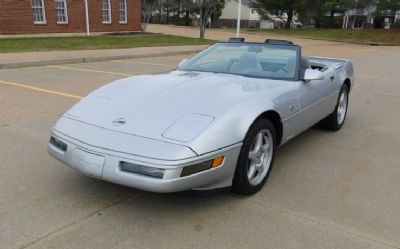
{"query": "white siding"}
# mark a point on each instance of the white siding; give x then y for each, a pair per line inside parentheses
(231, 8)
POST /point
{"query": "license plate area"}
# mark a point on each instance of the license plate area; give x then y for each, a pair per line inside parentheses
(89, 163)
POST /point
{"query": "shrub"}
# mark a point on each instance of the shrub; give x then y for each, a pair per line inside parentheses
(395, 25)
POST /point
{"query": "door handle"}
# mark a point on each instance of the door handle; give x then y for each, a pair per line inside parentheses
(332, 77)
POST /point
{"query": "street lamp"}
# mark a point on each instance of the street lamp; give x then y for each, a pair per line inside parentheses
(238, 18)
(87, 18)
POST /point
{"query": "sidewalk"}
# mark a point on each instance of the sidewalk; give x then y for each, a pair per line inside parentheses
(314, 47)
(28, 59)
(221, 34)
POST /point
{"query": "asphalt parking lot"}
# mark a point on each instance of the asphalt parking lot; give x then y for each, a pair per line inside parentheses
(327, 190)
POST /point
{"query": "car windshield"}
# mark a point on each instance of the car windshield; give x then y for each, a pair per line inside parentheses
(248, 59)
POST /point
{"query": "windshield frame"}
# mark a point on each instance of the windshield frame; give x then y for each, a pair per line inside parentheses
(296, 48)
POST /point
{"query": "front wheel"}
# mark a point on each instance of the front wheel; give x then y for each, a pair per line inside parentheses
(336, 119)
(256, 158)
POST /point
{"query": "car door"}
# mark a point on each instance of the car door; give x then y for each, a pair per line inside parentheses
(317, 98)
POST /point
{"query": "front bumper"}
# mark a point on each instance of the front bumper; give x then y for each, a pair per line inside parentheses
(105, 164)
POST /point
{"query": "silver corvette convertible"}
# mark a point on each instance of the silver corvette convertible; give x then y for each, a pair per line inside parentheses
(214, 122)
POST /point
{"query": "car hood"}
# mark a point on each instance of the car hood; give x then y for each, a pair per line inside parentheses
(174, 106)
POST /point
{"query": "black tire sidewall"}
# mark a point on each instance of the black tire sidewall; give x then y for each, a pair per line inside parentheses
(241, 183)
(331, 122)
(344, 88)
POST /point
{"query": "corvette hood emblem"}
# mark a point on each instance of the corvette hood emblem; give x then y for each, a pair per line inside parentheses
(119, 121)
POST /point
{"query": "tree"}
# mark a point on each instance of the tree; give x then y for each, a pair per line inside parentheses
(284, 9)
(167, 6)
(187, 12)
(359, 7)
(178, 15)
(333, 7)
(202, 10)
(148, 7)
(218, 11)
(323, 11)
(388, 6)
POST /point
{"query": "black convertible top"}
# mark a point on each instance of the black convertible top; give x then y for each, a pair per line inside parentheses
(268, 41)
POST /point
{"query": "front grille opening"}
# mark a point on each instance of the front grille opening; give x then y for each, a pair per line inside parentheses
(58, 143)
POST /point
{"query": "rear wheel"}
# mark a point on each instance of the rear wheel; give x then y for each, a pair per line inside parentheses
(256, 158)
(336, 119)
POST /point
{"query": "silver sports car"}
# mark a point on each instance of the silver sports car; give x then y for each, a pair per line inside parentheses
(214, 122)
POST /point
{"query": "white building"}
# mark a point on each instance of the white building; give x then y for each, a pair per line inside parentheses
(367, 18)
(273, 21)
(249, 16)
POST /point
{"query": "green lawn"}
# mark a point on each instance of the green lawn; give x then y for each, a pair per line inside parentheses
(94, 42)
(365, 35)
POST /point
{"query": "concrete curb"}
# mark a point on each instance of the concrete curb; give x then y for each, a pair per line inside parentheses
(91, 59)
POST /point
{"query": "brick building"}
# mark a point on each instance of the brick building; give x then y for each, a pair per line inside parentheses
(68, 16)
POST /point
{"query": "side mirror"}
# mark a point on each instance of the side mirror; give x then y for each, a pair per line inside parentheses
(311, 74)
(182, 62)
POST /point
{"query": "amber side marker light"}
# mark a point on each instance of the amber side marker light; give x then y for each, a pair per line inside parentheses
(217, 161)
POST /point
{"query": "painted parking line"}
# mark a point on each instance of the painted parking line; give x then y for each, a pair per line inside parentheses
(145, 63)
(90, 70)
(38, 89)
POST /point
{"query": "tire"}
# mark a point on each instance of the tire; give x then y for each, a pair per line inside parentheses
(336, 119)
(255, 159)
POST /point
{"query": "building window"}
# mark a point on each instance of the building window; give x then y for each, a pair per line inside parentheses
(106, 8)
(39, 16)
(122, 12)
(62, 12)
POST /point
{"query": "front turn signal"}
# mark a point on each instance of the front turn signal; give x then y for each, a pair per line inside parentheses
(216, 162)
